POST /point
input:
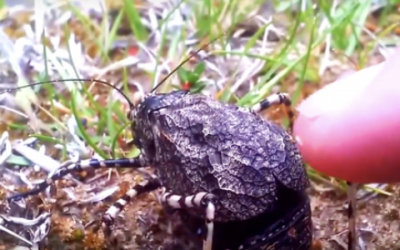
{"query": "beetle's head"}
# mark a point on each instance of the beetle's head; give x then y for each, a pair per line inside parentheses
(144, 114)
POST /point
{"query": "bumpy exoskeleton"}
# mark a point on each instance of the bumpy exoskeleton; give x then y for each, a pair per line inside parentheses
(216, 162)
(198, 145)
(204, 146)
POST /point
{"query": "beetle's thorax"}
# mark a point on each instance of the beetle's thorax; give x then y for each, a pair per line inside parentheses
(143, 117)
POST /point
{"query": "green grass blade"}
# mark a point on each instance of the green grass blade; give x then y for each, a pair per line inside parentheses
(134, 20)
(81, 128)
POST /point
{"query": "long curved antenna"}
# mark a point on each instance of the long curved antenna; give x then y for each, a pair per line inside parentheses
(196, 52)
(131, 105)
(186, 60)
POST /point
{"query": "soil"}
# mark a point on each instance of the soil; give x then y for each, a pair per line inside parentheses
(378, 220)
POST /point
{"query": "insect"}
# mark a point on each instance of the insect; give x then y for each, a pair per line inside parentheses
(215, 163)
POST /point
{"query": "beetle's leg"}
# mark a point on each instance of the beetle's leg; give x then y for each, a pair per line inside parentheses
(276, 99)
(70, 166)
(141, 188)
(200, 200)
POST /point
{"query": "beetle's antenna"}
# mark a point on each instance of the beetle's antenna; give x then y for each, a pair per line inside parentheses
(131, 105)
(186, 60)
(195, 53)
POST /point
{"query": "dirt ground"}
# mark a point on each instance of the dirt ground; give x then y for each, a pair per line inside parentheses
(378, 217)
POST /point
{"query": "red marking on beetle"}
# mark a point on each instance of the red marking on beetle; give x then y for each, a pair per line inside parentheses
(163, 134)
(292, 233)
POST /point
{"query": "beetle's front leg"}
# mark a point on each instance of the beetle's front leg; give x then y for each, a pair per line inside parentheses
(145, 186)
(200, 200)
(276, 99)
(71, 166)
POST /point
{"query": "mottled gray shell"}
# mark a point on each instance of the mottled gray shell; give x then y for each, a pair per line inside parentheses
(203, 145)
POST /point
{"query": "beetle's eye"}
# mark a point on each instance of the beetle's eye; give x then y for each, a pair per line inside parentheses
(133, 125)
(131, 115)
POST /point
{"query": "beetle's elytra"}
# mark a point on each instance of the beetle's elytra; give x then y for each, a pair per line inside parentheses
(249, 165)
(201, 145)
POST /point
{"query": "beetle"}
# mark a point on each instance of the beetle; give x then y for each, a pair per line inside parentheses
(214, 162)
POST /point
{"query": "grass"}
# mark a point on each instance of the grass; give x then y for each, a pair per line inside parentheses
(312, 37)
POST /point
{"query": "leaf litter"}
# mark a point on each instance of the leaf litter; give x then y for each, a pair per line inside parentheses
(67, 215)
